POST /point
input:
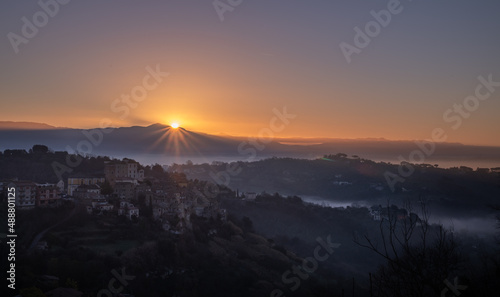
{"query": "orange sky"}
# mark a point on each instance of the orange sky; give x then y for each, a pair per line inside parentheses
(227, 77)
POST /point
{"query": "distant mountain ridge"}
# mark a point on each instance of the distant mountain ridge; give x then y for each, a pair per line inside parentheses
(154, 139)
(10, 125)
(165, 140)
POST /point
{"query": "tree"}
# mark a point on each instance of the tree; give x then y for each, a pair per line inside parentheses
(158, 172)
(32, 292)
(15, 153)
(71, 283)
(418, 256)
(247, 225)
(341, 156)
(106, 188)
(39, 149)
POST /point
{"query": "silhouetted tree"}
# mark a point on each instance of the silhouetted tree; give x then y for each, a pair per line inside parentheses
(106, 188)
(39, 149)
(32, 292)
(247, 225)
(419, 256)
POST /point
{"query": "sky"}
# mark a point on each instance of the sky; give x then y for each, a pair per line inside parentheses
(228, 66)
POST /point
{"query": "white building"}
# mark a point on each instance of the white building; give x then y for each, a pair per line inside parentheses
(128, 209)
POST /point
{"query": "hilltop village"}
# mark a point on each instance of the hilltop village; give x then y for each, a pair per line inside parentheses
(124, 188)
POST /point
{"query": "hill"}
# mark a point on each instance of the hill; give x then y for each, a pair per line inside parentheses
(459, 191)
(8, 125)
(162, 140)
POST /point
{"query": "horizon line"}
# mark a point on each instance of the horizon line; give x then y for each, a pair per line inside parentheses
(224, 134)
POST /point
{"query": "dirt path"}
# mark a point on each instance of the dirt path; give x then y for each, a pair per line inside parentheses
(42, 233)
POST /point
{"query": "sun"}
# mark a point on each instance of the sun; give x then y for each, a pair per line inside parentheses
(174, 125)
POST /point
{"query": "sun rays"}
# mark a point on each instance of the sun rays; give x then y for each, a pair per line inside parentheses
(173, 140)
